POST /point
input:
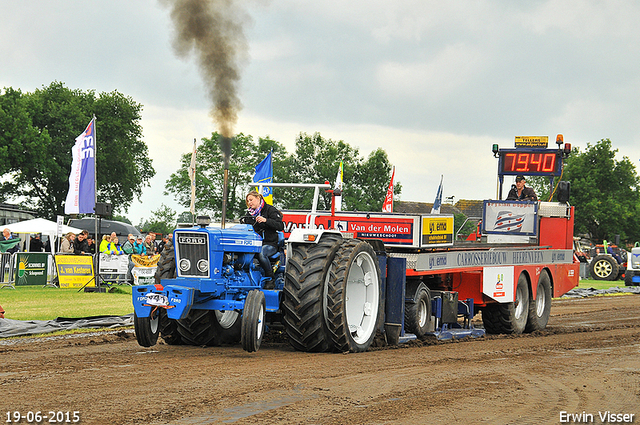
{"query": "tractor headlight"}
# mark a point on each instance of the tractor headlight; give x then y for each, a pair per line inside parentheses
(203, 266)
(185, 265)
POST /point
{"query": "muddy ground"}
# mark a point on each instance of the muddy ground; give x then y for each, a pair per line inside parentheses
(586, 362)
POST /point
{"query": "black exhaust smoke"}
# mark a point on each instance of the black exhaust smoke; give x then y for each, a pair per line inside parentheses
(213, 30)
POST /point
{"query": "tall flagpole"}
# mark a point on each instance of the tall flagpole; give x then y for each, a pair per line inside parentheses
(95, 185)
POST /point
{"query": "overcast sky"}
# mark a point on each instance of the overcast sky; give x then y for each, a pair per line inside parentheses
(433, 83)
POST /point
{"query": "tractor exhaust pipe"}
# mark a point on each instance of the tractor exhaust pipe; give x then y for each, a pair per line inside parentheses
(225, 187)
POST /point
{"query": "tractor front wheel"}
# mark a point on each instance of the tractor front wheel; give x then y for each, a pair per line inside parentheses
(147, 328)
(253, 320)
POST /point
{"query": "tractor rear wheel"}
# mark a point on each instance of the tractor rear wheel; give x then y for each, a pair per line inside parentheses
(540, 306)
(508, 318)
(147, 328)
(169, 329)
(304, 294)
(603, 267)
(253, 320)
(199, 328)
(354, 299)
(228, 323)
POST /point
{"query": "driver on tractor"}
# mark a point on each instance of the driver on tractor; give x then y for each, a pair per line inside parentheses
(268, 221)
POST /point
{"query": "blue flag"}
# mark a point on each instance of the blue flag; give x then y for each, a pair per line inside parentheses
(438, 201)
(81, 198)
(264, 174)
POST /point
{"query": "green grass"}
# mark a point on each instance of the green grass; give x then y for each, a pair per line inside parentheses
(599, 284)
(38, 303)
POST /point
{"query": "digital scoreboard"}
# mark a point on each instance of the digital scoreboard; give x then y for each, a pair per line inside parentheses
(530, 162)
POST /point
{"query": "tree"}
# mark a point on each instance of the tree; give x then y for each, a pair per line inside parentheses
(245, 155)
(39, 130)
(605, 193)
(315, 160)
(162, 220)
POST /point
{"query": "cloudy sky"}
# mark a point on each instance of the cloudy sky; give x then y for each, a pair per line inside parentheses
(433, 83)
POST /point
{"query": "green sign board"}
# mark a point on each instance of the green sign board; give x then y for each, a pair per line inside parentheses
(31, 268)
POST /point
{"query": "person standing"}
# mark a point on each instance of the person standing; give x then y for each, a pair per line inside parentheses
(129, 245)
(268, 221)
(66, 247)
(80, 245)
(35, 244)
(521, 192)
(6, 235)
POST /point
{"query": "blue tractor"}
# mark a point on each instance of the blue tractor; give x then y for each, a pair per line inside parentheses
(210, 290)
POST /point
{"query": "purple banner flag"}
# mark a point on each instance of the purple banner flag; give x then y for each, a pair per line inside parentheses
(81, 198)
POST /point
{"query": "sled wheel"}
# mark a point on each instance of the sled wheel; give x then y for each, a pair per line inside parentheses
(354, 296)
(508, 318)
(604, 267)
(540, 307)
(253, 323)
(147, 328)
(305, 288)
(417, 315)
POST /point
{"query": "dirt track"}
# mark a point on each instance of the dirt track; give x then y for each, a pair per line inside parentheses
(587, 360)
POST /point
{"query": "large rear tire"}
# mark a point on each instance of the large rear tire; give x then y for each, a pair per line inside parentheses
(604, 267)
(304, 294)
(169, 329)
(509, 318)
(354, 296)
(540, 306)
(147, 328)
(199, 328)
(253, 320)
(229, 326)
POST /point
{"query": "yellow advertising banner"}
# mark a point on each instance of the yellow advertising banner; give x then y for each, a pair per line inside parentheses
(437, 230)
(532, 141)
(144, 260)
(74, 271)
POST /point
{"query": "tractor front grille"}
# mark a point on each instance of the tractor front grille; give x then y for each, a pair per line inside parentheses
(192, 254)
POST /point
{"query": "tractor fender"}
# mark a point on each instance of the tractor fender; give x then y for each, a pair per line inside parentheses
(412, 289)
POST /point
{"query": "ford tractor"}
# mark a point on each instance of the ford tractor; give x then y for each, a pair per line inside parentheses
(210, 289)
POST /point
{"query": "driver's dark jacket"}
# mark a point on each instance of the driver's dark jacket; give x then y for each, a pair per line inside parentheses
(269, 229)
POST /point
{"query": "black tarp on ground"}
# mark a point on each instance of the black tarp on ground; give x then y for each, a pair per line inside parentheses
(9, 327)
(590, 292)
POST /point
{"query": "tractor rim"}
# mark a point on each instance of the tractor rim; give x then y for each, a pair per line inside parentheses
(422, 313)
(602, 268)
(226, 318)
(519, 304)
(540, 300)
(362, 298)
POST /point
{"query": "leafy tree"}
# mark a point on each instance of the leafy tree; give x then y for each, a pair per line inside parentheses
(245, 155)
(315, 160)
(163, 220)
(605, 193)
(39, 130)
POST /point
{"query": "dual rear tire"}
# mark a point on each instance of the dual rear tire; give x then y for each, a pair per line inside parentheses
(525, 314)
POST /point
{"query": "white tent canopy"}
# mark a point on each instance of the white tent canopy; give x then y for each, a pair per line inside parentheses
(40, 225)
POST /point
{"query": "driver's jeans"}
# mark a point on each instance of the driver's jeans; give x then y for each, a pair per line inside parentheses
(263, 258)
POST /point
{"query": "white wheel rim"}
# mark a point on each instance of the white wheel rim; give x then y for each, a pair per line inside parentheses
(540, 300)
(422, 313)
(362, 298)
(154, 323)
(260, 323)
(227, 318)
(519, 304)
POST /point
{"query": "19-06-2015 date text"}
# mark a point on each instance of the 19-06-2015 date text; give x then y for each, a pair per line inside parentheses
(48, 417)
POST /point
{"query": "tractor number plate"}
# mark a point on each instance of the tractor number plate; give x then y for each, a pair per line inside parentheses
(157, 299)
